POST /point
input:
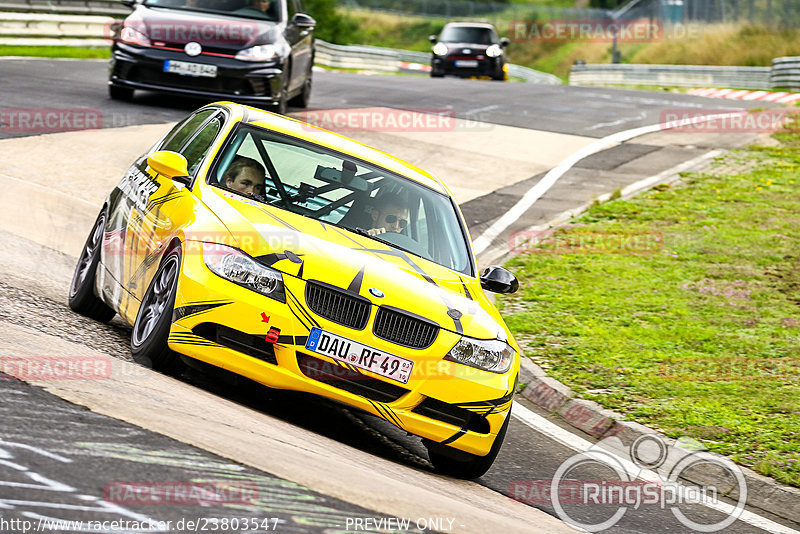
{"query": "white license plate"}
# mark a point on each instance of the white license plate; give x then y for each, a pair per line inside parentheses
(359, 355)
(466, 63)
(190, 69)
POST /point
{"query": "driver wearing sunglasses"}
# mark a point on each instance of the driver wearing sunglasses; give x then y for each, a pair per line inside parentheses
(390, 214)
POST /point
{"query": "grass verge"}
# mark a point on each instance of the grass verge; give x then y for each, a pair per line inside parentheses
(56, 51)
(694, 330)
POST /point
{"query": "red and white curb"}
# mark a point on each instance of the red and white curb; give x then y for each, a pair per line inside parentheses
(760, 96)
(414, 67)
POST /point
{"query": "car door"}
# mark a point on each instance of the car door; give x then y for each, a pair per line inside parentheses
(301, 40)
(151, 208)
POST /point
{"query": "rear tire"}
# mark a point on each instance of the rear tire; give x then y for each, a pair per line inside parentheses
(82, 298)
(149, 339)
(459, 464)
(120, 93)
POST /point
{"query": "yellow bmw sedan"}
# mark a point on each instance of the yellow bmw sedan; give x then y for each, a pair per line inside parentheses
(307, 261)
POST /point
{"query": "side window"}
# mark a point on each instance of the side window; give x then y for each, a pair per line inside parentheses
(292, 6)
(178, 137)
(196, 150)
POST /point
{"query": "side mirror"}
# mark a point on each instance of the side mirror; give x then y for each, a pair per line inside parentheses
(301, 20)
(432, 38)
(504, 42)
(170, 164)
(499, 280)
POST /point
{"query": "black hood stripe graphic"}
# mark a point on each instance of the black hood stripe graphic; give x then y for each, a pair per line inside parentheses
(405, 257)
(294, 300)
(355, 285)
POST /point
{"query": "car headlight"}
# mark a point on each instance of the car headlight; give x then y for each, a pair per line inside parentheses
(440, 49)
(487, 354)
(239, 268)
(494, 51)
(258, 53)
(132, 36)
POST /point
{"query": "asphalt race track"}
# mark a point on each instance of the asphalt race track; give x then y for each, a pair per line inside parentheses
(309, 465)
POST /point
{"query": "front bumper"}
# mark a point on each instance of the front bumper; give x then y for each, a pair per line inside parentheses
(142, 68)
(488, 66)
(221, 323)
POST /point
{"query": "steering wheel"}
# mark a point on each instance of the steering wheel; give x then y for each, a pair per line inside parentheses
(403, 241)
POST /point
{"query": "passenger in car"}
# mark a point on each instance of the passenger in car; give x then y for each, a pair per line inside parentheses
(389, 214)
(245, 175)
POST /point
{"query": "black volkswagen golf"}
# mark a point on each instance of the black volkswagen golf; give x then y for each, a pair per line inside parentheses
(468, 49)
(255, 51)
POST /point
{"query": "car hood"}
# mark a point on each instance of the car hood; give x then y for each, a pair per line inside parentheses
(309, 249)
(174, 27)
(473, 47)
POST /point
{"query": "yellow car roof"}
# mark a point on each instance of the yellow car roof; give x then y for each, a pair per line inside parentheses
(334, 141)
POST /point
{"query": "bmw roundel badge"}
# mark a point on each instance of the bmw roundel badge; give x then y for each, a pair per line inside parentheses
(375, 292)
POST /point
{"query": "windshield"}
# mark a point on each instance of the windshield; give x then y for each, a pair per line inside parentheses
(327, 186)
(252, 9)
(465, 34)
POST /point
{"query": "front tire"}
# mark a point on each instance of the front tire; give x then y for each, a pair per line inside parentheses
(302, 99)
(281, 107)
(152, 325)
(82, 298)
(120, 93)
(459, 464)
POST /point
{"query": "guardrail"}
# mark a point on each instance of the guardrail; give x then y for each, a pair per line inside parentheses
(66, 7)
(42, 29)
(389, 59)
(672, 76)
(785, 72)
